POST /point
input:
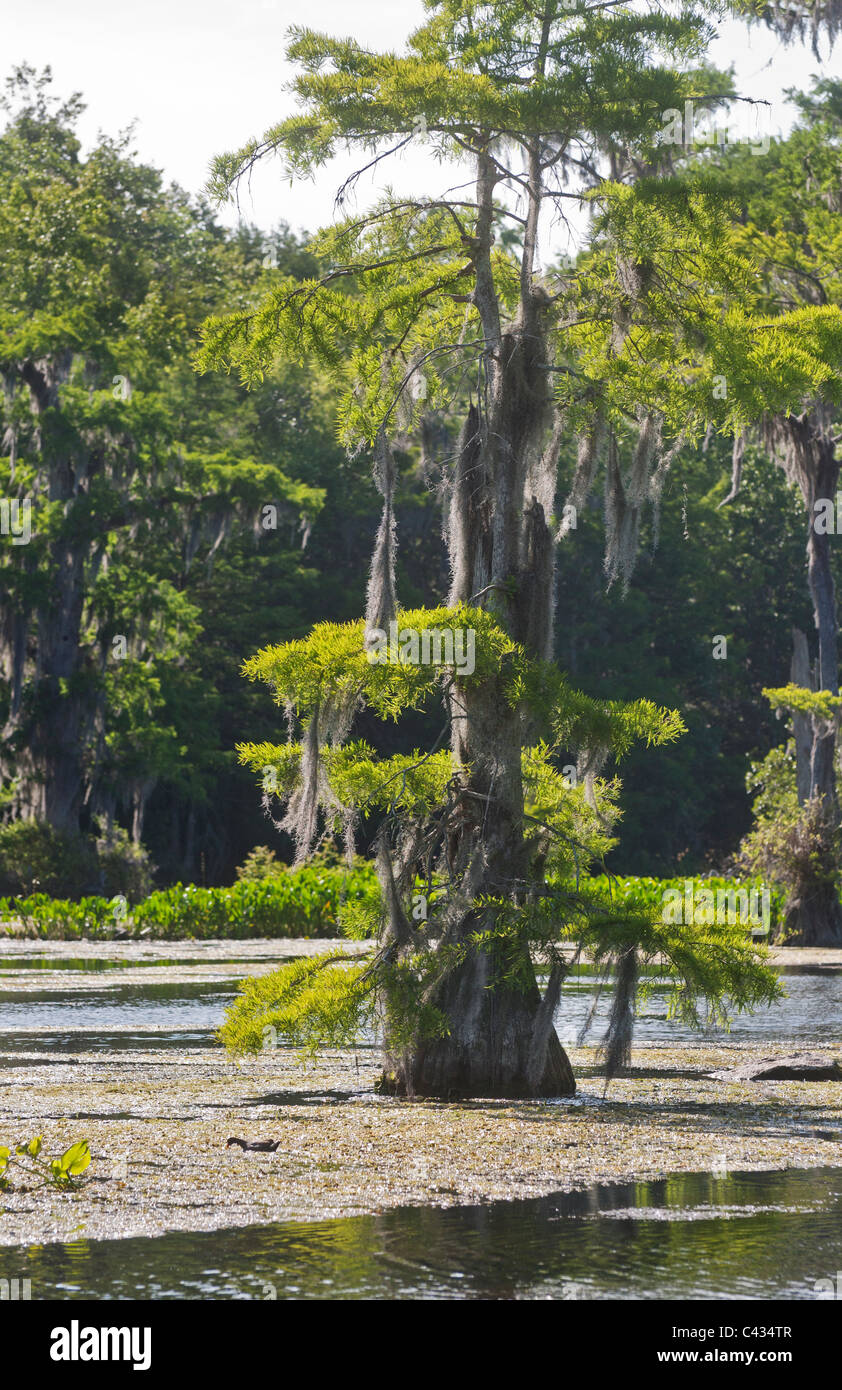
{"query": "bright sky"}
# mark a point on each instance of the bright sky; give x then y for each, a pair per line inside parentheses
(202, 76)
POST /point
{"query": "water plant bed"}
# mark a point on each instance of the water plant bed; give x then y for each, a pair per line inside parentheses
(16, 948)
(161, 952)
(158, 1122)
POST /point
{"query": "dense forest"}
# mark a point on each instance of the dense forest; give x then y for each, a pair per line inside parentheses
(180, 522)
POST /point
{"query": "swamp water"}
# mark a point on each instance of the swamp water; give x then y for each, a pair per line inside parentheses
(751, 1235)
(158, 1012)
(745, 1235)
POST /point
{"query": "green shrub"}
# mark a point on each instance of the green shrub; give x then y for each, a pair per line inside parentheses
(307, 902)
(123, 867)
(59, 919)
(299, 903)
(261, 864)
(649, 893)
(793, 846)
(34, 857)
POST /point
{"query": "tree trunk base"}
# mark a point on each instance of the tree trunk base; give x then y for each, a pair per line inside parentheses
(813, 918)
(467, 1084)
(500, 1045)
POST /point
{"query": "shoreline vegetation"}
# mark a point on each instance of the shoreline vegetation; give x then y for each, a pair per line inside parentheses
(306, 902)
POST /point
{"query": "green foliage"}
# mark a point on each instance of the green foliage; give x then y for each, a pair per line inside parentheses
(710, 574)
(797, 700)
(713, 969)
(792, 845)
(35, 856)
(323, 1001)
(123, 866)
(570, 831)
(58, 919)
(614, 726)
(331, 669)
(698, 319)
(407, 781)
(132, 467)
(59, 1172)
(304, 902)
(772, 782)
(332, 666)
(261, 864)
(648, 894)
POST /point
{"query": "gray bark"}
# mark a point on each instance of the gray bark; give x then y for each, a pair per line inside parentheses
(501, 1040)
(51, 716)
(805, 447)
(801, 673)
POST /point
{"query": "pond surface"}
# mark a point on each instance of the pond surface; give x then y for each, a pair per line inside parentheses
(811, 1011)
(96, 964)
(752, 1235)
(120, 1016)
(749, 1235)
(161, 1013)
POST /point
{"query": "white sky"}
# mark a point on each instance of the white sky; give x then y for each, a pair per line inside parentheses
(202, 76)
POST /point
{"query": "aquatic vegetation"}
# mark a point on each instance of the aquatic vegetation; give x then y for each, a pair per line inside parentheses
(304, 902)
(55, 1172)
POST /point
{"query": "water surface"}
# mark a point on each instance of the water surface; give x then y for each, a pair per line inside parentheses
(745, 1235)
(157, 1012)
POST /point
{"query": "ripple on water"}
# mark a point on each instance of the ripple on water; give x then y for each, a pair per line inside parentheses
(153, 1011)
(749, 1235)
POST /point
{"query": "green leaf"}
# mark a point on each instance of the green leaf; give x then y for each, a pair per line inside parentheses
(75, 1159)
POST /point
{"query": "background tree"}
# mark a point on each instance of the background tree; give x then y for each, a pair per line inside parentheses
(129, 464)
(788, 205)
(711, 572)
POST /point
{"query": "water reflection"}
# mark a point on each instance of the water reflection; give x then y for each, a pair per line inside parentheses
(752, 1235)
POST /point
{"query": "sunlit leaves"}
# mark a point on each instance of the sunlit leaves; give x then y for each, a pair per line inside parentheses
(797, 700)
(322, 1001)
(56, 1172)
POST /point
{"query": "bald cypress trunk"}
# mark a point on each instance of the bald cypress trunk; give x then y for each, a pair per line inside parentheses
(501, 1040)
(800, 673)
(813, 916)
(47, 731)
(53, 705)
